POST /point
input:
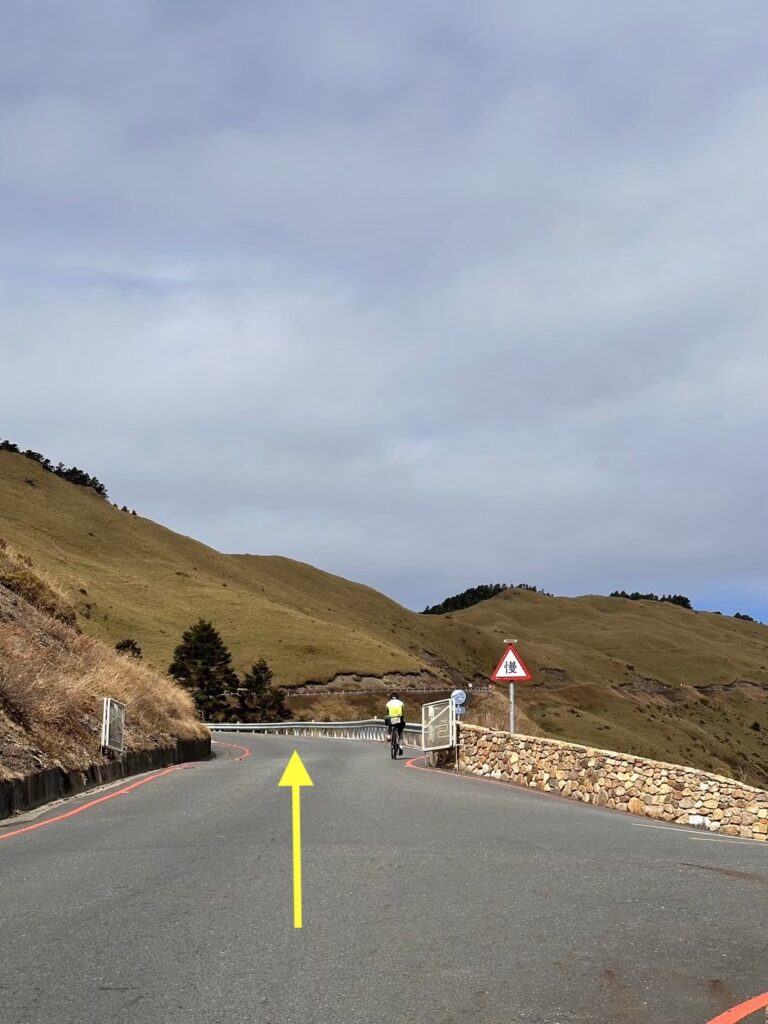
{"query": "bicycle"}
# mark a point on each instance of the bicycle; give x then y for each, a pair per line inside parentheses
(394, 740)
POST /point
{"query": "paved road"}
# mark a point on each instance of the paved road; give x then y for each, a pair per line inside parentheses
(428, 897)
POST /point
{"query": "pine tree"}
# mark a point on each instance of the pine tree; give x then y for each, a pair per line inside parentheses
(259, 700)
(202, 663)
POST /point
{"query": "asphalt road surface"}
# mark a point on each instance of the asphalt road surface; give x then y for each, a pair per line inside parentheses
(428, 897)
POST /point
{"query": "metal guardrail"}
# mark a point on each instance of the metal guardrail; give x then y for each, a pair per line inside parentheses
(299, 691)
(368, 729)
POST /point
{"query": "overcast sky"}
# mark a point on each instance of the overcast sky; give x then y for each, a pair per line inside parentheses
(425, 294)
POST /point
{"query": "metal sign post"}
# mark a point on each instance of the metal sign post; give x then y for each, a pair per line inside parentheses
(511, 707)
(459, 698)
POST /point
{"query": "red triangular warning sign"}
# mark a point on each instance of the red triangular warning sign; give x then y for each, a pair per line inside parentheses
(511, 668)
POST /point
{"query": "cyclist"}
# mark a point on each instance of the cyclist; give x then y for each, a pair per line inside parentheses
(395, 719)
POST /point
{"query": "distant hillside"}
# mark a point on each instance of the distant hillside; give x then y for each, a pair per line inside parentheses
(635, 675)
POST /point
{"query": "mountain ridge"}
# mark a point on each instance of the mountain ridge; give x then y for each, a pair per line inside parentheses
(602, 665)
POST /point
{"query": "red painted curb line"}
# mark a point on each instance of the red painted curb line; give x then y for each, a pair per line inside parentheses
(450, 773)
(235, 746)
(91, 803)
(741, 1011)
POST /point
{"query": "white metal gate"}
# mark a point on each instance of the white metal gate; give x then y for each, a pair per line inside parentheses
(438, 722)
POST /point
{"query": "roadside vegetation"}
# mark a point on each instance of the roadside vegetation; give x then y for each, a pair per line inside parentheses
(53, 679)
(18, 576)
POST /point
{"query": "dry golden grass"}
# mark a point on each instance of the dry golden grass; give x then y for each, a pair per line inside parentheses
(492, 711)
(18, 576)
(52, 681)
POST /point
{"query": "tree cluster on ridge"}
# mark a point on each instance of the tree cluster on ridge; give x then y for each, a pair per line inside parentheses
(71, 473)
(474, 595)
(678, 599)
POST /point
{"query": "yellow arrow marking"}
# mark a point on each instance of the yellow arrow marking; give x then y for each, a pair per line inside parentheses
(296, 776)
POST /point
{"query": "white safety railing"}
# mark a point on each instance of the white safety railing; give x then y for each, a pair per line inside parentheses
(321, 691)
(369, 729)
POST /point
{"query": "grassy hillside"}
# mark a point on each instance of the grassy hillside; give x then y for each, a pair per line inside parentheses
(642, 676)
(610, 639)
(127, 576)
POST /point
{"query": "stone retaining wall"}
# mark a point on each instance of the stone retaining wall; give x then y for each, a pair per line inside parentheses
(653, 789)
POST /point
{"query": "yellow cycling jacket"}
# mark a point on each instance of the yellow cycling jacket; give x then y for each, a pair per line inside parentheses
(395, 709)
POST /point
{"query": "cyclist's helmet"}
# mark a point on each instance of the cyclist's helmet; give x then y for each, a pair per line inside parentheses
(393, 696)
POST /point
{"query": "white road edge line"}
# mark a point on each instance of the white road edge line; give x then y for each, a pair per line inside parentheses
(685, 830)
(721, 839)
(682, 830)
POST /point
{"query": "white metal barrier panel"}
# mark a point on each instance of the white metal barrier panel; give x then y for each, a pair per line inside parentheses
(438, 724)
(113, 725)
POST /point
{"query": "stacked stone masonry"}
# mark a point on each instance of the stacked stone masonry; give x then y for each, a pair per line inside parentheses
(653, 789)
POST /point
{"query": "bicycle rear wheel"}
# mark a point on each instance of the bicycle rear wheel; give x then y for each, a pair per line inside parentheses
(394, 744)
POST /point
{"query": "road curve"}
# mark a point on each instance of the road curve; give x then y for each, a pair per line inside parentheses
(431, 897)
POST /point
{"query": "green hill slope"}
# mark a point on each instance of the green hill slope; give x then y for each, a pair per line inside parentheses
(642, 676)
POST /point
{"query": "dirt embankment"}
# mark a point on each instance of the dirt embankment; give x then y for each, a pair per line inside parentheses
(53, 679)
(354, 683)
